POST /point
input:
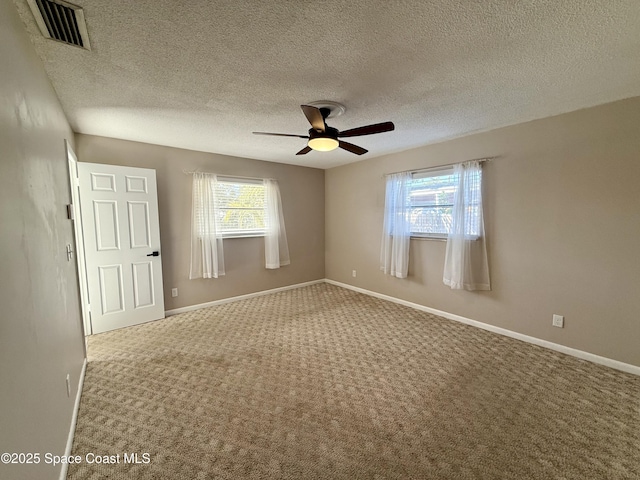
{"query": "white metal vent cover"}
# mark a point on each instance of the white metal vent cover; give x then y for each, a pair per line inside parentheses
(62, 21)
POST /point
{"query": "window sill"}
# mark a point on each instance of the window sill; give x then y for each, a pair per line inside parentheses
(242, 235)
(426, 237)
(439, 239)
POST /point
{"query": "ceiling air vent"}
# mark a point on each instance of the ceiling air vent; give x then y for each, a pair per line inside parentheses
(61, 21)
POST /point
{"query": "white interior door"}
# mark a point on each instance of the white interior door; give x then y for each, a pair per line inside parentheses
(122, 245)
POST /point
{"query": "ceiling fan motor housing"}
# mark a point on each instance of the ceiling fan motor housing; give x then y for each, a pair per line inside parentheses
(329, 132)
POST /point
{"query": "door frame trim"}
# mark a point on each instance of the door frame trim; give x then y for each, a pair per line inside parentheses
(83, 286)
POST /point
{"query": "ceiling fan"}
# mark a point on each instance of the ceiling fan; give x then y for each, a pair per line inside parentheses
(324, 138)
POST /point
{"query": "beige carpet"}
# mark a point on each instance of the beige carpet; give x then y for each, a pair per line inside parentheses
(324, 383)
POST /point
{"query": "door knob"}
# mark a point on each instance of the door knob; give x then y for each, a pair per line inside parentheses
(154, 254)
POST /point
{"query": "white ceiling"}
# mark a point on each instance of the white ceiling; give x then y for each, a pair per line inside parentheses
(204, 74)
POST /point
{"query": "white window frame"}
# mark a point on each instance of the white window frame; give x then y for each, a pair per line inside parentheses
(430, 173)
(245, 233)
(436, 172)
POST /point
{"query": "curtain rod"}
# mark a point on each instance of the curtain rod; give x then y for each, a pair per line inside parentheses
(435, 167)
(229, 176)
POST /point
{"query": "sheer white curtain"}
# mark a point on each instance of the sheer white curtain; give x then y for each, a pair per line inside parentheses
(466, 266)
(276, 248)
(207, 256)
(396, 231)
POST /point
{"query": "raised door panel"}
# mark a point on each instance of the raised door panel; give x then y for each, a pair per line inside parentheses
(103, 182)
(111, 289)
(106, 225)
(143, 284)
(139, 228)
(136, 184)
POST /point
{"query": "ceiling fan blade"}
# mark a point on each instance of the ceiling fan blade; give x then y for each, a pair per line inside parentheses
(368, 129)
(314, 116)
(350, 147)
(280, 134)
(304, 151)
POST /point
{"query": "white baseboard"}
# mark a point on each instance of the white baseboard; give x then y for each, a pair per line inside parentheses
(74, 419)
(175, 311)
(608, 362)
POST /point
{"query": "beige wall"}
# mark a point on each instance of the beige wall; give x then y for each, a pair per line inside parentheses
(40, 329)
(302, 191)
(562, 207)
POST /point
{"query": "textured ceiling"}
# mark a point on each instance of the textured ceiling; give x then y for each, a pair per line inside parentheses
(202, 75)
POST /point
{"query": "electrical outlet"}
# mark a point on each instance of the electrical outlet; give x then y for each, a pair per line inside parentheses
(353, 273)
(558, 321)
(174, 292)
(68, 386)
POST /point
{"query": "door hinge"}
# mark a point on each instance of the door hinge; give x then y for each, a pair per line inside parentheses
(70, 214)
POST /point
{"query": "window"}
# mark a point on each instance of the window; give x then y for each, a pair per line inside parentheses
(240, 207)
(432, 195)
(227, 207)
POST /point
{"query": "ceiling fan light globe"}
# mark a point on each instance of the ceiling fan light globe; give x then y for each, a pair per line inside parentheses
(323, 144)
